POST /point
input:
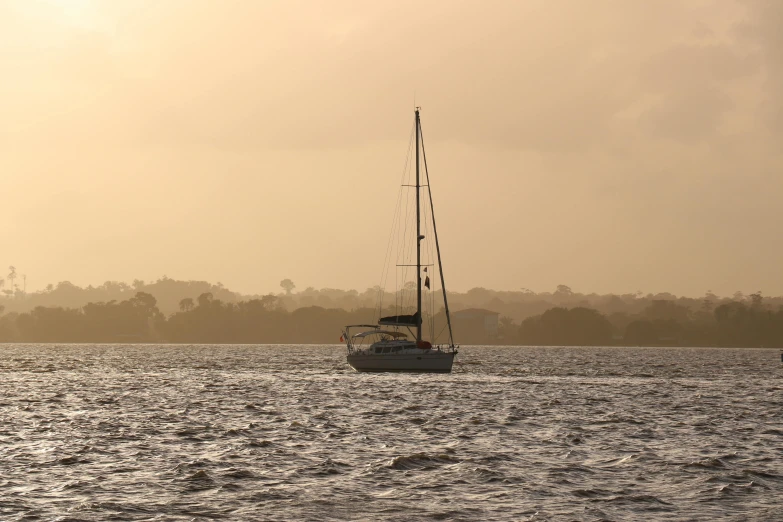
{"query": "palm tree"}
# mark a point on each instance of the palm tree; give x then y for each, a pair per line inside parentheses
(12, 276)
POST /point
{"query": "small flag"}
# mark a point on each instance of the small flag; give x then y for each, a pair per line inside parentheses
(425, 268)
(427, 281)
(342, 338)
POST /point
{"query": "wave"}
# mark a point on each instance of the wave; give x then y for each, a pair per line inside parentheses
(641, 499)
(329, 467)
(593, 493)
(237, 473)
(70, 460)
(199, 476)
(729, 489)
(421, 461)
(487, 475)
(718, 462)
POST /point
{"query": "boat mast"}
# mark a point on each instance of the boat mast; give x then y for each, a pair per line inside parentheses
(437, 244)
(418, 236)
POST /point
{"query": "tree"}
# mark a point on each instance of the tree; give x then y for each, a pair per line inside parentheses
(269, 301)
(561, 326)
(144, 301)
(205, 299)
(287, 285)
(186, 305)
(662, 309)
(641, 333)
(506, 326)
(12, 276)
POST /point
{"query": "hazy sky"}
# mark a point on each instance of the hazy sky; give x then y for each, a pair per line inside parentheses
(611, 146)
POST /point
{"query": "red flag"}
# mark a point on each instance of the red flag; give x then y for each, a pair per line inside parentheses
(342, 339)
(427, 281)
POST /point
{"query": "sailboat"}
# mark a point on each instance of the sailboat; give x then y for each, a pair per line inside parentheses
(395, 343)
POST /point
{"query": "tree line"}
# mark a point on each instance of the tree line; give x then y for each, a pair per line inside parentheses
(515, 305)
(661, 323)
(201, 320)
(263, 320)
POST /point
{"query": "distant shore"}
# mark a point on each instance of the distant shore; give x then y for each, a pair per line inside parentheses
(163, 312)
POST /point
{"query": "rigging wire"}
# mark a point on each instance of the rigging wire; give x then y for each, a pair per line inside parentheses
(430, 234)
(427, 220)
(437, 247)
(395, 224)
(405, 246)
(403, 251)
(403, 221)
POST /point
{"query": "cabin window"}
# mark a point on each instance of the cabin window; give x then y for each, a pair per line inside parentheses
(397, 348)
(387, 349)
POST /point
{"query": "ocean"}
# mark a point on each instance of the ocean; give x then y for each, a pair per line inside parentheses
(261, 432)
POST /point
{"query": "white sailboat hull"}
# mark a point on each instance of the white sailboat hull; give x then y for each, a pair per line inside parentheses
(430, 362)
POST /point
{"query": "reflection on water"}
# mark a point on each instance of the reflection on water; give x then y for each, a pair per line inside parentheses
(289, 432)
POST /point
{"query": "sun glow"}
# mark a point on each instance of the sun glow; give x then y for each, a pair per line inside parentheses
(73, 13)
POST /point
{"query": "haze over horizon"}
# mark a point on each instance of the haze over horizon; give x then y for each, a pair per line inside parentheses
(612, 146)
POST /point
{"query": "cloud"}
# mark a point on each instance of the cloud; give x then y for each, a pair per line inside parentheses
(762, 29)
(542, 76)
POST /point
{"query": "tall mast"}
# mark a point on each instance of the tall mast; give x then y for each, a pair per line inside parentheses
(418, 236)
(437, 244)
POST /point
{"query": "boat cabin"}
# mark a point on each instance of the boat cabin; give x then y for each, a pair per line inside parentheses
(385, 348)
(377, 340)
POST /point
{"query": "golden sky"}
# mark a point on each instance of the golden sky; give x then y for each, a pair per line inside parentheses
(610, 145)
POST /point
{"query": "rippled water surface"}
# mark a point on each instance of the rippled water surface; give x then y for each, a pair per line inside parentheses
(94, 432)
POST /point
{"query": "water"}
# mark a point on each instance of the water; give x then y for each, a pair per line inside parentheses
(289, 432)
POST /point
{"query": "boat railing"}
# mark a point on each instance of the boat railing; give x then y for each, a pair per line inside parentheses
(448, 348)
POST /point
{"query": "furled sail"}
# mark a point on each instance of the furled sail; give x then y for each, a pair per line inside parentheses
(400, 320)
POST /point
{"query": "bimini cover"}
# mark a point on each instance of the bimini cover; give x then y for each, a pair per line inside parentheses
(401, 320)
(396, 335)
